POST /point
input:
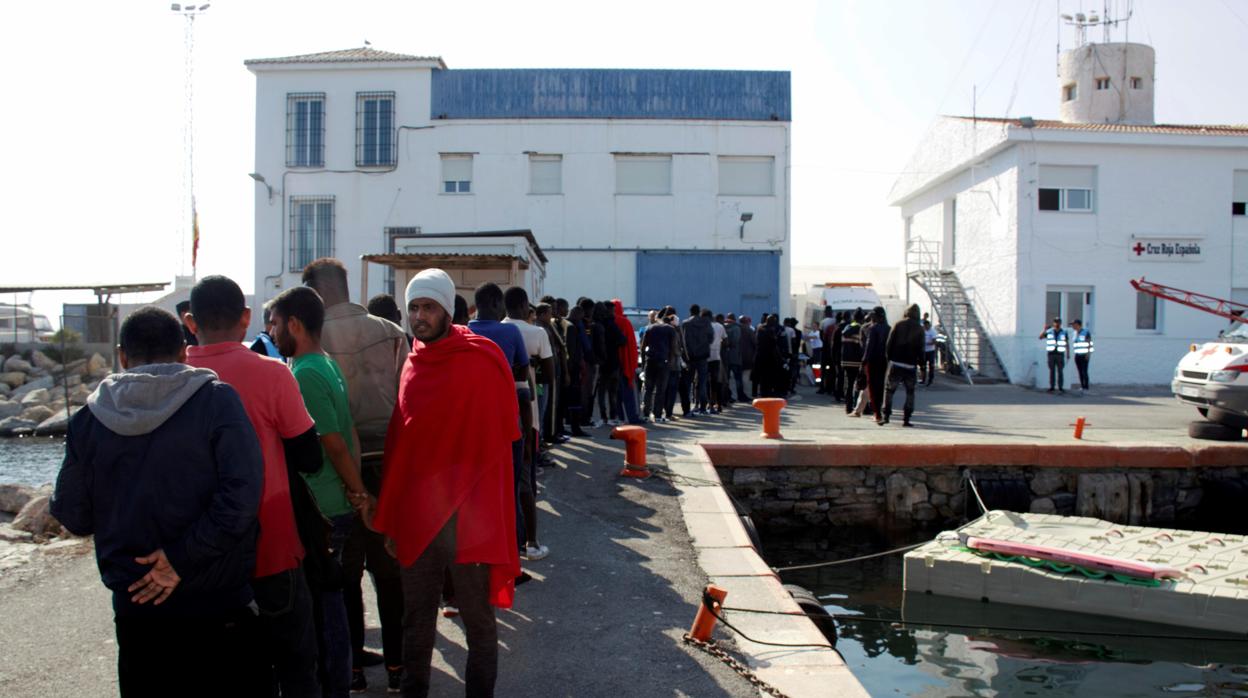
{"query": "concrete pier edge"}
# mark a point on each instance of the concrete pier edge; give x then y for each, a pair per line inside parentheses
(728, 558)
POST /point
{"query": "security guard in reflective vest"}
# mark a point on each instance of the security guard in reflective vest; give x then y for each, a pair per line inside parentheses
(1056, 346)
(1082, 347)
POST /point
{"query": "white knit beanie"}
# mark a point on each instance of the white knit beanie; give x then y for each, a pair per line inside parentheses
(434, 284)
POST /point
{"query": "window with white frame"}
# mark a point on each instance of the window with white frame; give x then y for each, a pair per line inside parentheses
(746, 176)
(545, 174)
(374, 129)
(1067, 188)
(456, 173)
(305, 129)
(1102, 83)
(311, 229)
(643, 174)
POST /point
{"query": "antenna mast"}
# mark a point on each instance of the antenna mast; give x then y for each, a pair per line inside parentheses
(1105, 21)
(188, 213)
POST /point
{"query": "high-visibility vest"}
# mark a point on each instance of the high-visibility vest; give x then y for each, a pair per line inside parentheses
(1083, 343)
(1055, 341)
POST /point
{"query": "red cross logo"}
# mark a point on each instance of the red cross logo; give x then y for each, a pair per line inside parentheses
(1138, 249)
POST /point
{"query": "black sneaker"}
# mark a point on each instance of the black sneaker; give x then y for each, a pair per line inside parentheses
(359, 684)
(394, 677)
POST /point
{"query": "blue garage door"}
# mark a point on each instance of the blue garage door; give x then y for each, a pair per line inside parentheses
(745, 283)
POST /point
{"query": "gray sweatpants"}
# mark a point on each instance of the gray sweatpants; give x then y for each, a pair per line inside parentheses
(422, 594)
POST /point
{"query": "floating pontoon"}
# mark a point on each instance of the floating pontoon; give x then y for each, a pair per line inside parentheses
(1084, 565)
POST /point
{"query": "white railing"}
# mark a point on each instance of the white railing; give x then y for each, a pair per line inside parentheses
(922, 255)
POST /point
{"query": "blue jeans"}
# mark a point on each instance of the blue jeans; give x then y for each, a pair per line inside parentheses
(336, 633)
(628, 398)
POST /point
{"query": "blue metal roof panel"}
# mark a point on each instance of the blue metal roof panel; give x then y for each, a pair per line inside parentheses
(729, 95)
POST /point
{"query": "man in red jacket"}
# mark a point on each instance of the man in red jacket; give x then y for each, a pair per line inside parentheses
(447, 499)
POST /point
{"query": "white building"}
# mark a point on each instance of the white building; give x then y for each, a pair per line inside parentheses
(1010, 222)
(635, 183)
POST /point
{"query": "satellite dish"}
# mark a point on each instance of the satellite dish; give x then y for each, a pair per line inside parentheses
(1080, 17)
(1067, 17)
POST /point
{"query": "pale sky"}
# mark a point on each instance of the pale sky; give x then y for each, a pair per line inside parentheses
(92, 138)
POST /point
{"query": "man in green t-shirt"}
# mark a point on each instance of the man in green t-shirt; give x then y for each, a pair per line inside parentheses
(298, 315)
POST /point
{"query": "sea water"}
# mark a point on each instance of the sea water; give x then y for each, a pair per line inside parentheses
(890, 641)
(32, 460)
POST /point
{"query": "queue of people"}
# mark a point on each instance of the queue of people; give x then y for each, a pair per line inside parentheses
(864, 360)
(238, 493)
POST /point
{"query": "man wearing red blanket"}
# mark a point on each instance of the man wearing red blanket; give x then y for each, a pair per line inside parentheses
(447, 500)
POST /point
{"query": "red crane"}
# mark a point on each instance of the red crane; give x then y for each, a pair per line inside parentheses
(1235, 312)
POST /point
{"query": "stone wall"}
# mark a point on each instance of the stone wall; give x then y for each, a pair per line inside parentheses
(781, 497)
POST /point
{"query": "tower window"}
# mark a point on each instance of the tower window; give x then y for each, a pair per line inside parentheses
(1070, 92)
(1102, 83)
(1137, 83)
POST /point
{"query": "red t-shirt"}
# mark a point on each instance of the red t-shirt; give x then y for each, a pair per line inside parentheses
(273, 403)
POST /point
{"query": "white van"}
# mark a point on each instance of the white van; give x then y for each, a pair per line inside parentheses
(841, 296)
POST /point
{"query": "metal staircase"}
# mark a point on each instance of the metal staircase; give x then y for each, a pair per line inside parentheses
(967, 342)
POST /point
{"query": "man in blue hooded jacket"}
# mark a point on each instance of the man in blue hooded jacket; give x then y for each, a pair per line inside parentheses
(163, 467)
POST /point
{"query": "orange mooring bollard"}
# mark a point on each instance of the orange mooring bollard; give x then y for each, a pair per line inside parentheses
(770, 407)
(704, 622)
(634, 438)
(1079, 424)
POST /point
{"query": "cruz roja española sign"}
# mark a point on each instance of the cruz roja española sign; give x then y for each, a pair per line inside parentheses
(1165, 249)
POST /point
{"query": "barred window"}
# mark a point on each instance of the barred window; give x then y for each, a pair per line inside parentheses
(375, 142)
(305, 129)
(311, 229)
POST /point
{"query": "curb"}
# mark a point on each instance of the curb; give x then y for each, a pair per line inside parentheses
(730, 561)
(946, 455)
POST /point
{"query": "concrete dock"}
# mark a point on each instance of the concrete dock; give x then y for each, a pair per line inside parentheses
(606, 611)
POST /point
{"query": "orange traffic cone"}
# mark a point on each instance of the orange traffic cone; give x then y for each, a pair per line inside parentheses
(770, 407)
(634, 438)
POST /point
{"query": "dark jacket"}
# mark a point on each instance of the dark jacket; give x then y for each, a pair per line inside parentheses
(730, 352)
(874, 341)
(851, 345)
(905, 342)
(749, 345)
(612, 340)
(598, 342)
(164, 457)
(698, 337)
(658, 343)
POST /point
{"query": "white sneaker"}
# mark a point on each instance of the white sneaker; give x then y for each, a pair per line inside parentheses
(536, 552)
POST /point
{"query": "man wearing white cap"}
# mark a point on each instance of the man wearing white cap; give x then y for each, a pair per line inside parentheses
(447, 499)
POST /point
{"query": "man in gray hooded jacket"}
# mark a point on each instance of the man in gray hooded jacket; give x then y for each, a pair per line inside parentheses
(163, 467)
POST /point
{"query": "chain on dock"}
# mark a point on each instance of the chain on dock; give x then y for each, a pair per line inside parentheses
(713, 649)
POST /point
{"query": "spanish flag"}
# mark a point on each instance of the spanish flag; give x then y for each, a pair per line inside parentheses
(194, 234)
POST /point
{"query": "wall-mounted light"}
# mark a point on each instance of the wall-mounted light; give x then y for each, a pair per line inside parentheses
(745, 218)
(260, 180)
